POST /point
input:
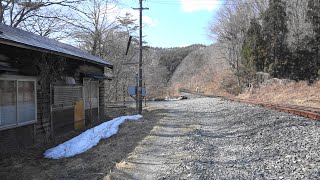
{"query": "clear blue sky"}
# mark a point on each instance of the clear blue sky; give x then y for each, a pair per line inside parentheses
(176, 23)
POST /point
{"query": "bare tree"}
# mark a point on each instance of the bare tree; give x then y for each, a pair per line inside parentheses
(297, 24)
(230, 26)
(92, 21)
(42, 17)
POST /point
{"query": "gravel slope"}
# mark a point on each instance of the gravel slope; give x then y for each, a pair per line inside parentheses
(208, 138)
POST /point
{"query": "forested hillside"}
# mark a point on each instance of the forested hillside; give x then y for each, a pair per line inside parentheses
(166, 71)
(279, 37)
(204, 70)
(162, 65)
(275, 38)
(159, 67)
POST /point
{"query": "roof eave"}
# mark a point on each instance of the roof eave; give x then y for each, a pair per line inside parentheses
(34, 48)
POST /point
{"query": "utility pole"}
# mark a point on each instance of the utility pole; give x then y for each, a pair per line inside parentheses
(139, 88)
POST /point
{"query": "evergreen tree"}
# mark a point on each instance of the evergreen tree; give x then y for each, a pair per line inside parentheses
(248, 69)
(313, 16)
(275, 34)
(255, 42)
(252, 52)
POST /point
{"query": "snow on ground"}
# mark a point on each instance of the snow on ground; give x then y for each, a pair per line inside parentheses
(88, 139)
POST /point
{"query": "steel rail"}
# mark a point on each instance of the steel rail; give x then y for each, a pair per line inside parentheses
(304, 111)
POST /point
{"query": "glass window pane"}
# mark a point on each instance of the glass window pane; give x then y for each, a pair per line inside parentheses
(26, 101)
(8, 108)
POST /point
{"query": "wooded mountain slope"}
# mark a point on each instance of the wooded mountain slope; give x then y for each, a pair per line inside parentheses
(278, 37)
(168, 71)
(202, 70)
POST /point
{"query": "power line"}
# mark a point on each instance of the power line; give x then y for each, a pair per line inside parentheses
(219, 2)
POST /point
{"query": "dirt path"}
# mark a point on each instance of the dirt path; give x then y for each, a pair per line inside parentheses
(213, 139)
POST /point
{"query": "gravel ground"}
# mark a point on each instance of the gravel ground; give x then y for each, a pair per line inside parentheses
(209, 138)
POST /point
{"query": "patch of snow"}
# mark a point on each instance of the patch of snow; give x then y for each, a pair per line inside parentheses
(88, 139)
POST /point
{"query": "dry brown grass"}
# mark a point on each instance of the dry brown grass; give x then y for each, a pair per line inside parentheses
(96, 163)
(296, 93)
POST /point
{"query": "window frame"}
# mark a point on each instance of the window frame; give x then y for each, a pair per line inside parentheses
(16, 79)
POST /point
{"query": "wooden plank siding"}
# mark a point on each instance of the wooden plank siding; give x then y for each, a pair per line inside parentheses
(102, 104)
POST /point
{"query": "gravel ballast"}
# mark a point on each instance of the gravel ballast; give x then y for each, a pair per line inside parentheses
(210, 138)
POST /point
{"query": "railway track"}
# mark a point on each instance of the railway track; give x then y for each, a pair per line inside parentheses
(308, 112)
(304, 111)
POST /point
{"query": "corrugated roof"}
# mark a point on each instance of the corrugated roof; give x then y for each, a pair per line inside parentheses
(19, 36)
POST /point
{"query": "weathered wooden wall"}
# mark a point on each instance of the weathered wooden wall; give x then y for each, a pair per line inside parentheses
(11, 140)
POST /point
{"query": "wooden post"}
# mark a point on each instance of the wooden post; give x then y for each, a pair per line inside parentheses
(139, 87)
(51, 116)
(124, 99)
(145, 96)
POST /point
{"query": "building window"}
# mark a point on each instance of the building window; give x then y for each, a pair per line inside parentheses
(17, 102)
(8, 103)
